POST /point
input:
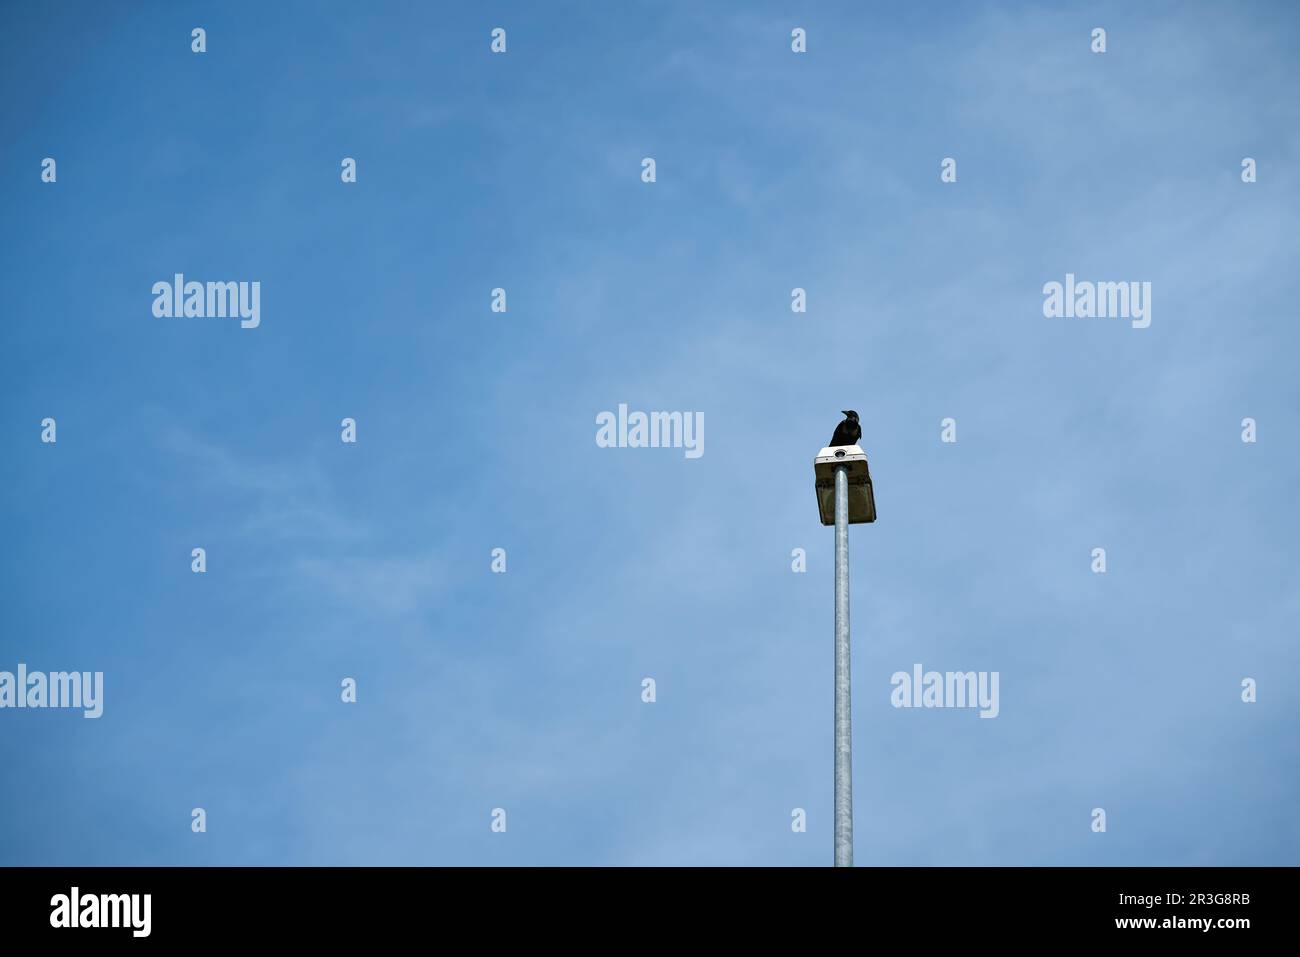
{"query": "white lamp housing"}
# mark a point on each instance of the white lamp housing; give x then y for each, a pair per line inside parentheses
(862, 502)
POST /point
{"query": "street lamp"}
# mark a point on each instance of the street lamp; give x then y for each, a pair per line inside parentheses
(844, 498)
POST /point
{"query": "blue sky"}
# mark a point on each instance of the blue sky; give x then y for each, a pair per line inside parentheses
(476, 430)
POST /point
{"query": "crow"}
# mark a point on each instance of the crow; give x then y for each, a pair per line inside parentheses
(847, 432)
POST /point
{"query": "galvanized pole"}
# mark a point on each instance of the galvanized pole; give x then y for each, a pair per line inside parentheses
(843, 728)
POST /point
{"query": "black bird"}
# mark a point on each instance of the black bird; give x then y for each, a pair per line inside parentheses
(847, 432)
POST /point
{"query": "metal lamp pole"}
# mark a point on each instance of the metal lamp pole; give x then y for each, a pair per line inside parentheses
(844, 498)
(843, 726)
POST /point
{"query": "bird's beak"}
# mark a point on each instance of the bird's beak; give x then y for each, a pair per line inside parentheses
(844, 412)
